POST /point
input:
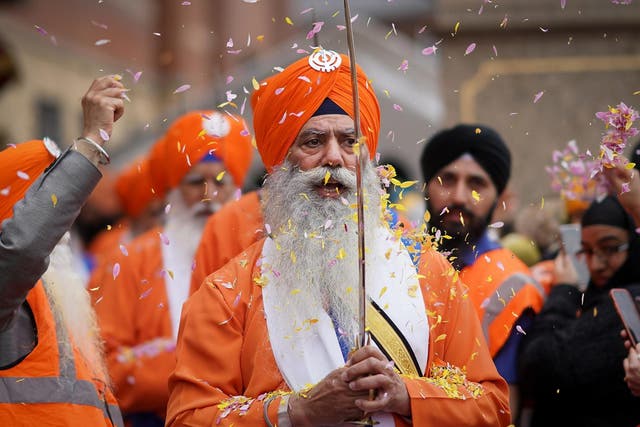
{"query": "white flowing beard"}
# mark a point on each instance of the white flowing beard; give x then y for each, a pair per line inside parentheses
(184, 225)
(71, 306)
(317, 262)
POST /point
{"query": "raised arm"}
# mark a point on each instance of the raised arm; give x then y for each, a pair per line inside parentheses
(38, 223)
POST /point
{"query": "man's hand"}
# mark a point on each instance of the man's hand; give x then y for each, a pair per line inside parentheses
(331, 401)
(368, 369)
(102, 105)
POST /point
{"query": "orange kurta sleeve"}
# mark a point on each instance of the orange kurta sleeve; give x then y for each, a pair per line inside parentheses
(463, 386)
(224, 363)
(132, 315)
(232, 229)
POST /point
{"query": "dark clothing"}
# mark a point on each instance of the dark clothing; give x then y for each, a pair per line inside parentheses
(571, 363)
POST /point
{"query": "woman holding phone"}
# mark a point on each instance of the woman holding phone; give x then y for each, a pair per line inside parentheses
(571, 358)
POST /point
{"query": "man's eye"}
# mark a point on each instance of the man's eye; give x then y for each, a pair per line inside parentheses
(350, 142)
(312, 142)
(195, 181)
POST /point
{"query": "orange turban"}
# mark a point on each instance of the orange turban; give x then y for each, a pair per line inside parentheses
(190, 138)
(134, 188)
(286, 101)
(20, 166)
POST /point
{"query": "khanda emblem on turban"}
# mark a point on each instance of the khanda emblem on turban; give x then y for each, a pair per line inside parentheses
(216, 125)
(325, 60)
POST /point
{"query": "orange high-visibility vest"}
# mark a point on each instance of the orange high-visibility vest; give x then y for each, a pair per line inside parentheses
(50, 386)
(501, 289)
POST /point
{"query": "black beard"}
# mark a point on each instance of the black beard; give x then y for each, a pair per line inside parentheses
(461, 237)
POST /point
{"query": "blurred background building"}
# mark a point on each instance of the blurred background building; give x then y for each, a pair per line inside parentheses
(536, 71)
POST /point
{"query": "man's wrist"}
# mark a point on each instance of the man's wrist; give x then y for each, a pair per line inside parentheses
(296, 416)
(92, 150)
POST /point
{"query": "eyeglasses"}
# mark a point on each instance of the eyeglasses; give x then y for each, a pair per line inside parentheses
(603, 254)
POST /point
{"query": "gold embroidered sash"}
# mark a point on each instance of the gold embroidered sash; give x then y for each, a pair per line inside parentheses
(391, 341)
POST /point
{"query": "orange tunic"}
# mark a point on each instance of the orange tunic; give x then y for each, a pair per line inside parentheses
(108, 241)
(41, 390)
(501, 289)
(235, 227)
(224, 351)
(132, 310)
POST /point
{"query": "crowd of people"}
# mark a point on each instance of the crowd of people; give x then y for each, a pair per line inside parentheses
(206, 306)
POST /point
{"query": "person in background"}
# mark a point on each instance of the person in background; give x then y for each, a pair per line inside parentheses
(143, 210)
(466, 169)
(52, 371)
(572, 357)
(199, 165)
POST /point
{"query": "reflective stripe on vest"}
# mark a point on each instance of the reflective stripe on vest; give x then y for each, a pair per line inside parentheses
(496, 304)
(65, 388)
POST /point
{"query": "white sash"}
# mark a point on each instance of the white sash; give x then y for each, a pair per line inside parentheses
(306, 357)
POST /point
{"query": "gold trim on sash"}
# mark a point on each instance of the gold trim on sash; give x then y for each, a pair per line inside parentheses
(387, 337)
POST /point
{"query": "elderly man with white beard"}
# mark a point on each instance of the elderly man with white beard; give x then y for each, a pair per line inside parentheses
(199, 164)
(51, 366)
(269, 338)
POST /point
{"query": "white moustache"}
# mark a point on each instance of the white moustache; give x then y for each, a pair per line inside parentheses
(343, 176)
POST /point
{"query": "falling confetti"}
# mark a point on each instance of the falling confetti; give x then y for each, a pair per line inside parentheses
(54, 199)
(116, 270)
(470, 49)
(104, 134)
(429, 50)
(102, 42)
(182, 88)
(317, 26)
(124, 250)
(537, 96)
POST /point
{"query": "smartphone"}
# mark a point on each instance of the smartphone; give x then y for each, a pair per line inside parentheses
(570, 236)
(628, 312)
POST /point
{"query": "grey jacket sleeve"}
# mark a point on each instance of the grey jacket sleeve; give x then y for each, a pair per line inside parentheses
(27, 238)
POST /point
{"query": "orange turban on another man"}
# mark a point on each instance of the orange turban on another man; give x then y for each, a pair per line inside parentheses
(134, 187)
(286, 101)
(192, 137)
(20, 166)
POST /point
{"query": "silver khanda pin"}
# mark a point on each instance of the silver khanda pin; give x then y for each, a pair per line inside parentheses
(325, 61)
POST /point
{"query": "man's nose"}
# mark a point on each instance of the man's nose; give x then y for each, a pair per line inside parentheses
(210, 189)
(460, 194)
(333, 154)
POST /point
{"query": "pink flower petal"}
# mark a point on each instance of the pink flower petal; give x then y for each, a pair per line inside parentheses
(429, 50)
(537, 97)
(182, 88)
(104, 134)
(470, 49)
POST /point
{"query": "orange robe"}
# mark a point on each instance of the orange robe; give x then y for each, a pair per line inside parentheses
(235, 227)
(133, 310)
(501, 289)
(224, 352)
(108, 241)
